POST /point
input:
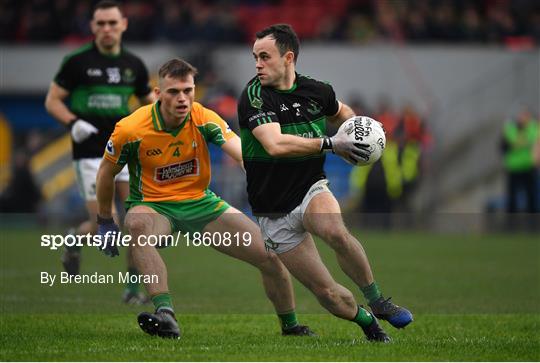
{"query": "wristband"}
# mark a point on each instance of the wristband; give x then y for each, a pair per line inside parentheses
(326, 144)
(102, 221)
(70, 124)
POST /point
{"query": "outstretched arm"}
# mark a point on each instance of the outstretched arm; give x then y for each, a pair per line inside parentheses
(282, 145)
(233, 148)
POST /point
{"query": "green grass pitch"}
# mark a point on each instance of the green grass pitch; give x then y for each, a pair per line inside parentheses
(475, 298)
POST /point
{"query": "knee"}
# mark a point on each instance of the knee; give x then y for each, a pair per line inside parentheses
(339, 239)
(138, 224)
(269, 262)
(328, 296)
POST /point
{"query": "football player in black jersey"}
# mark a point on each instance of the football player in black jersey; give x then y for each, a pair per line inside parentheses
(282, 117)
(98, 79)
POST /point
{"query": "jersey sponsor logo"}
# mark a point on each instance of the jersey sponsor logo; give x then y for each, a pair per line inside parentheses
(307, 135)
(109, 148)
(256, 102)
(113, 75)
(172, 172)
(105, 101)
(154, 152)
(94, 72)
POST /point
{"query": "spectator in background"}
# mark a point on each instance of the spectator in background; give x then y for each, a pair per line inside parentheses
(472, 28)
(10, 18)
(416, 25)
(141, 21)
(216, 21)
(378, 186)
(22, 194)
(519, 139)
(414, 140)
(41, 22)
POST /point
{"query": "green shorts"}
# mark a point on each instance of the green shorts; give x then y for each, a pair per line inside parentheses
(188, 215)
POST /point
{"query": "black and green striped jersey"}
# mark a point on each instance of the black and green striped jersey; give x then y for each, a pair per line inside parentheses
(100, 87)
(277, 185)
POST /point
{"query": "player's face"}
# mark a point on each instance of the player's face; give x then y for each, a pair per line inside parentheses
(108, 26)
(176, 96)
(271, 66)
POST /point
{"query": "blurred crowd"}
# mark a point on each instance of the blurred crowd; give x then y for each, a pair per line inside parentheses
(387, 186)
(506, 22)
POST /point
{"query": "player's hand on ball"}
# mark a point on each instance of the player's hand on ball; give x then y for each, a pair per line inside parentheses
(82, 130)
(362, 140)
(108, 230)
(343, 146)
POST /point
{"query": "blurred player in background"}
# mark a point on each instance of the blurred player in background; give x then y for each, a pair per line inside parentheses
(99, 79)
(283, 124)
(165, 147)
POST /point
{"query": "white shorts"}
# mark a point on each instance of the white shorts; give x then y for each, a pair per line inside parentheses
(86, 172)
(285, 233)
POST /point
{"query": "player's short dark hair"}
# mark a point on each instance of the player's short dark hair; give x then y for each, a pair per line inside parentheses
(285, 36)
(107, 4)
(177, 68)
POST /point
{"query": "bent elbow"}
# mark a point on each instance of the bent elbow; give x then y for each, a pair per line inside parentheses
(274, 150)
(47, 104)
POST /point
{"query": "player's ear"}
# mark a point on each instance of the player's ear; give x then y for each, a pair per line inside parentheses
(93, 26)
(289, 57)
(157, 92)
(124, 23)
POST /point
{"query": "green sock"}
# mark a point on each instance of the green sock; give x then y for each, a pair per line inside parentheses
(132, 287)
(371, 292)
(288, 320)
(162, 301)
(363, 317)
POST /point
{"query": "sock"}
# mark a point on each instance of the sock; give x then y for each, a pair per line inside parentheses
(288, 320)
(363, 317)
(371, 292)
(132, 287)
(163, 302)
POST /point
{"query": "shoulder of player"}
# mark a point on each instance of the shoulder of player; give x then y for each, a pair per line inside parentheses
(137, 120)
(78, 53)
(201, 115)
(304, 80)
(131, 56)
(253, 89)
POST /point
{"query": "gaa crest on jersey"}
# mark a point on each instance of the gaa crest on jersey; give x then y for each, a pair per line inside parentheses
(109, 148)
(172, 172)
(128, 76)
(256, 102)
(314, 108)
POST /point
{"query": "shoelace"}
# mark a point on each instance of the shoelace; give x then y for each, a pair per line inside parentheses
(389, 306)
